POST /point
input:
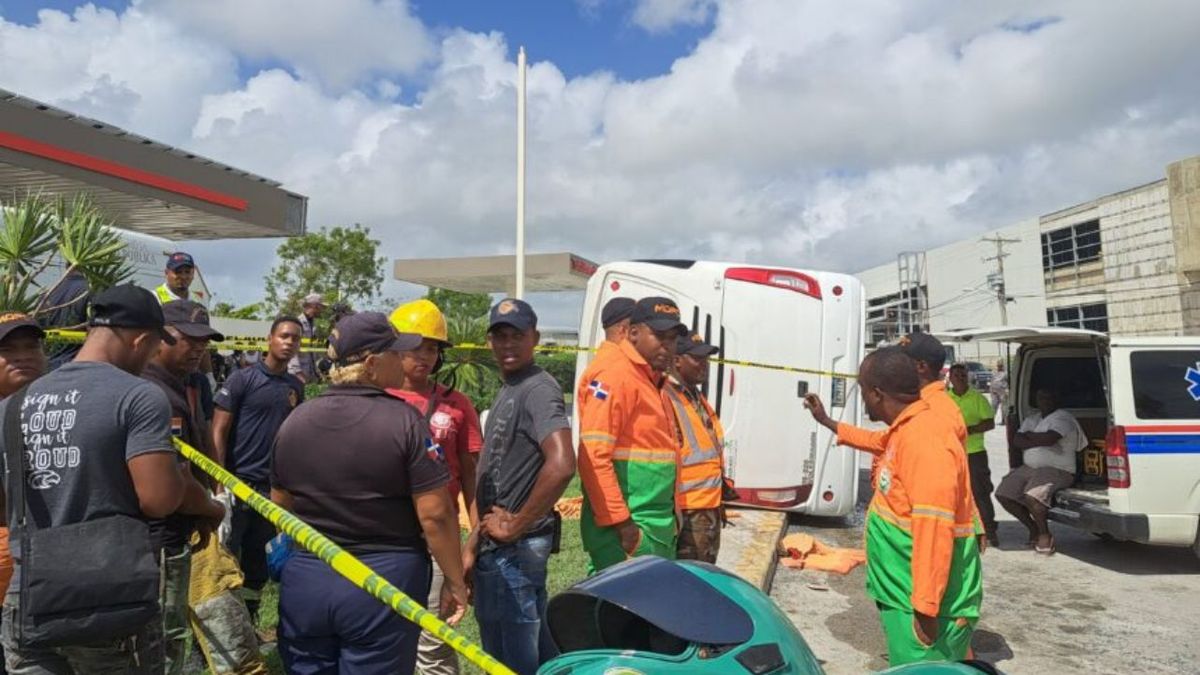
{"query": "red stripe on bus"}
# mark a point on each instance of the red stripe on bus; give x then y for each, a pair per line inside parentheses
(1163, 428)
(116, 170)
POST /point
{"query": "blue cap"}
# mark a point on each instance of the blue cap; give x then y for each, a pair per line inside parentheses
(180, 259)
(512, 312)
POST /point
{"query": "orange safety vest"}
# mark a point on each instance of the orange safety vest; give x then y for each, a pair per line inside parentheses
(700, 463)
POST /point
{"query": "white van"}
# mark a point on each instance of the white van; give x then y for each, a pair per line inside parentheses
(777, 456)
(1138, 399)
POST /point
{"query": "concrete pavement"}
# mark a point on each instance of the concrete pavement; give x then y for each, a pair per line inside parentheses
(1094, 607)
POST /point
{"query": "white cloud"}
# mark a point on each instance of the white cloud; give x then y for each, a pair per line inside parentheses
(798, 133)
(660, 15)
(134, 70)
(340, 43)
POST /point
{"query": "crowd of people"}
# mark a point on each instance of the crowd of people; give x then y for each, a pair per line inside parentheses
(384, 459)
(381, 462)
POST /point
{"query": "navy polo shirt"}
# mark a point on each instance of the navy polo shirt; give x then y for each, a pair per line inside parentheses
(259, 401)
(352, 459)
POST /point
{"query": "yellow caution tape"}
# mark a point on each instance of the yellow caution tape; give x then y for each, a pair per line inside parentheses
(347, 565)
(242, 343)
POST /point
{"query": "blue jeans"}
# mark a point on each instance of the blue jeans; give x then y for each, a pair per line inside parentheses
(510, 603)
(328, 626)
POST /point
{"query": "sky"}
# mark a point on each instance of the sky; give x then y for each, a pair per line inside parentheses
(828, 135)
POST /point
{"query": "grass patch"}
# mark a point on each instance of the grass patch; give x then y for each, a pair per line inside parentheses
(568, 566)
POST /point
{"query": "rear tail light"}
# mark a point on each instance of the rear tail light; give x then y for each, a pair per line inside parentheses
(1117, 457)
(786, 279)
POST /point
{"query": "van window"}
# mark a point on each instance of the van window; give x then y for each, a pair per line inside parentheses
(1076, 380)
(1166, 384)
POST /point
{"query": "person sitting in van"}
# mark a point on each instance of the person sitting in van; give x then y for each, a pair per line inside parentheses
(1048, 440)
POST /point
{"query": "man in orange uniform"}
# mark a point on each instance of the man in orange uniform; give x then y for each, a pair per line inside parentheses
(923, 567)
(627, 446)
(930, 356)
(701, 440)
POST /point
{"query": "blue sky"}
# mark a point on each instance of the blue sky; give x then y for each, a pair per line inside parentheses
(577, 38)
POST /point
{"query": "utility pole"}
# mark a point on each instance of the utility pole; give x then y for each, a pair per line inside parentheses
(519, 285)
(999, 285)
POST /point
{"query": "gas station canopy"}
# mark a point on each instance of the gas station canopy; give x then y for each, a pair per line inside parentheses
(497, 273)
(143, 185)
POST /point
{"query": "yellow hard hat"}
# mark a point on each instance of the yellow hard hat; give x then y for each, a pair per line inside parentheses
(423, 318)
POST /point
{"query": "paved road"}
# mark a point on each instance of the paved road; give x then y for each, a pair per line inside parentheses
(1094, 607)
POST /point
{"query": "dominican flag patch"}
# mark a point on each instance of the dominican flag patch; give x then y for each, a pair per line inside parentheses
(598, 390)
(434, 450)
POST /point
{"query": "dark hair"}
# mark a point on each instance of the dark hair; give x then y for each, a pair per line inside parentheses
(283, 319)
(892, 371)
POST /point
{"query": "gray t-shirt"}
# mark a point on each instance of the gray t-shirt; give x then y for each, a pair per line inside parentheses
(528, 408)
(82, 423)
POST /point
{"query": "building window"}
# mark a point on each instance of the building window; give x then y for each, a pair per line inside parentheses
(1091, 317)
(1071, 246)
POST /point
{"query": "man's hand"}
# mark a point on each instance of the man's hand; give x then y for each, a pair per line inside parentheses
(814, 405)
(926, 628)
(501, 526)
(453, 604)
(468, 561)
(630, 535)
(209, 522)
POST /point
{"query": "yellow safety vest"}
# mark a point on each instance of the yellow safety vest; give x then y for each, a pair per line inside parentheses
(700, 464)
(165, 294)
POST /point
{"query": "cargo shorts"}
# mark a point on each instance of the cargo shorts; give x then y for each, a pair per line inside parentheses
(1040, 484)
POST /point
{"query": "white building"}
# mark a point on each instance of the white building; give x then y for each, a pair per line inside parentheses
(1126, 263)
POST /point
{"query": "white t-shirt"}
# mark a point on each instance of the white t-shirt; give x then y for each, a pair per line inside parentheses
(1061, 455)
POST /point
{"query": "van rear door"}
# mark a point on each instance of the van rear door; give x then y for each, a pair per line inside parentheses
(1156, 402)
(769, 317)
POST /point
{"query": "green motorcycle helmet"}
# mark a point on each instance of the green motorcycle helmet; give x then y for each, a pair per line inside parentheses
(650, 615)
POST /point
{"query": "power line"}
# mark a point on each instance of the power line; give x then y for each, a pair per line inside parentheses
(1001, 296)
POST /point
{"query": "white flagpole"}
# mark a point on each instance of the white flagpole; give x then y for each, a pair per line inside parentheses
(520, 281)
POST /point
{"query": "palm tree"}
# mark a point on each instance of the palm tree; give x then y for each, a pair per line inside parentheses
(44, 241)
(471, 369)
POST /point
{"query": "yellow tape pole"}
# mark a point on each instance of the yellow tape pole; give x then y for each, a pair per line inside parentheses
(346, 565)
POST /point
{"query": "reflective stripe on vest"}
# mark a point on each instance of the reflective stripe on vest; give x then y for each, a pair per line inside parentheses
(700, 470)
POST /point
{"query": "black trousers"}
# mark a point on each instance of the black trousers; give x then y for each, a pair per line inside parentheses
(981, 487)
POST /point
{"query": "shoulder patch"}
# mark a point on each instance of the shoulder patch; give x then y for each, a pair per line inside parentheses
(598, 390)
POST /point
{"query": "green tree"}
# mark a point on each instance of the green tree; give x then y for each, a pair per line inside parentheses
(454, 303)
(471, 370)
(227, 310)
(43, 241)
(342, 263)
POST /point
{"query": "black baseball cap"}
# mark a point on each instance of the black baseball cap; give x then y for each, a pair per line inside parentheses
(694, 345)
(191, 319)
(128, 306)
(616, 310)
(10, 321)
(180, 259)
(512, 312)
(360, 335)
(661, 314)
(925, 348)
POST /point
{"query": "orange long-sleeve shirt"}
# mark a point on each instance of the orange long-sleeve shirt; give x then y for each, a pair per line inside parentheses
(623, 416)
(934, 394)
(920, 530)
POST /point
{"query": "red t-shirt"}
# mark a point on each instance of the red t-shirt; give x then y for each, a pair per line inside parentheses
(454, 425)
